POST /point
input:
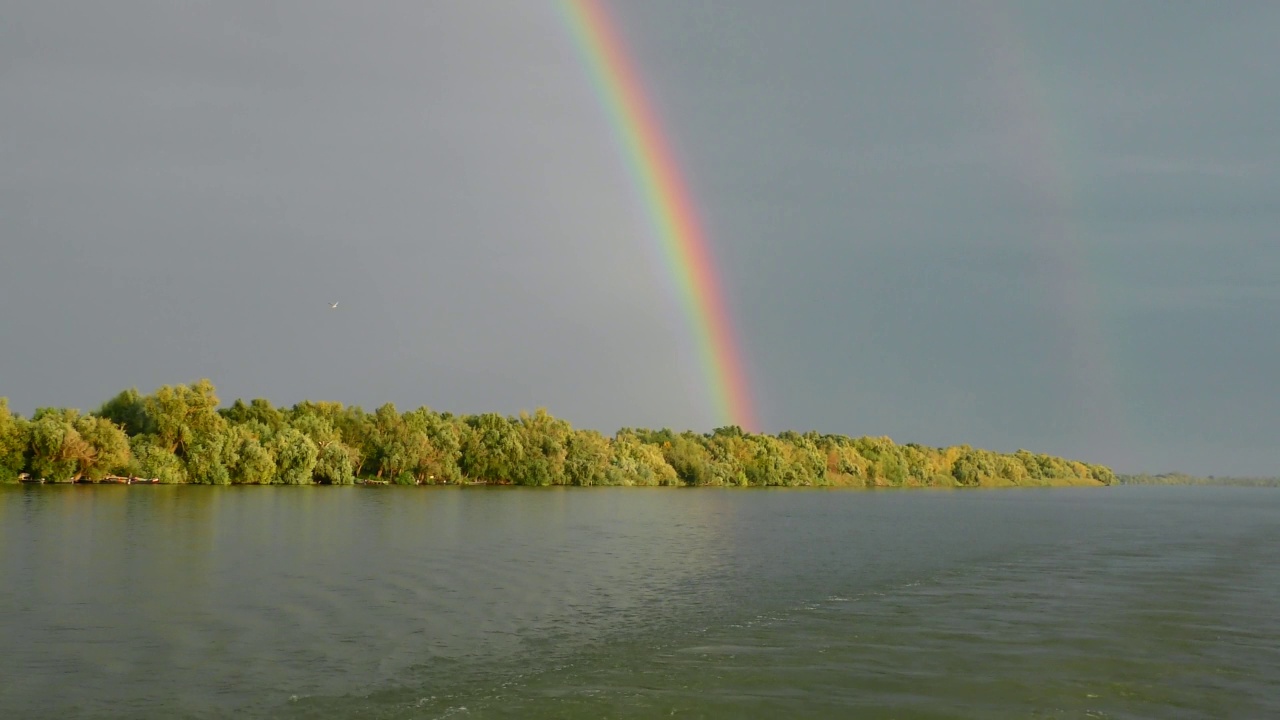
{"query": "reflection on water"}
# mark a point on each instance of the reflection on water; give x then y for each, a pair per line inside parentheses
(414, 602)
(126, 599)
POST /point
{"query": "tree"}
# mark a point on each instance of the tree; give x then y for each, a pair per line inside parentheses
(258, 410)
(973, 467)
(150, 460)
(356, 431)
(389, 444)
(183, 420)
(14, 440)
(1030, 464)
(766, 465)
(1102, 474)
(247, 460)
(314, 426)
(430, 445)
(687, 456)
(543, 439)
(887, 467)
(108, 447)
(205, 458)
(729, 451)
(127, 411)
(493, 449)
(636, 462)
(333, 465)
(295, 456)
(178, 434)
(57, 450)
(587, 458)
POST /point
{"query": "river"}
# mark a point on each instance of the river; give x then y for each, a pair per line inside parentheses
(329, 602)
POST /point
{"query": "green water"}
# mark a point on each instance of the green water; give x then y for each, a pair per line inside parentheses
(184, 602)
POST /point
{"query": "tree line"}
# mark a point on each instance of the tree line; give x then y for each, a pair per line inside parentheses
(180, 434)
(1176, 478)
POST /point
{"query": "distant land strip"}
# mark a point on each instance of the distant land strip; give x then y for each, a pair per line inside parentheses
(179, 434)
(1175, 478)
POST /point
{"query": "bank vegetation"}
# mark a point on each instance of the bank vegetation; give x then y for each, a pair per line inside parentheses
(1176, 478)
(182, 434)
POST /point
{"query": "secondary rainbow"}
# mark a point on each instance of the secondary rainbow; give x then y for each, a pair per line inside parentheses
(1038, 144)
(670, 207)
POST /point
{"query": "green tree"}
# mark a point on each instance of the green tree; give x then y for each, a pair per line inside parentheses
(973, 467)
(151, 460)
(357, 433)
(314, 426)
(804, 460)
(181, 414)
(248, 460)
(729, 451)
(543, 439)
(767, 464)
(179, 434)
(389, 448)
(108, 447)
(127, 411)
(587, 458)
(433, 446)
(57, 450)
(886, 464)
(14, 441)
(205, 458)
(492, 450)
(636, 462)
(295, 455)
(1030, 464)
(333, 465)
(689, 459)
(1102, 474)
(257, 410)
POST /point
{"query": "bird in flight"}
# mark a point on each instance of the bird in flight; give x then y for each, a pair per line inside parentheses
(333, 305)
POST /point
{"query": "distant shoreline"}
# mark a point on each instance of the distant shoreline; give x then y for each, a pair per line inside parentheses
(83, 482)
(1122, 480)
(183, 435)
(1184, 479)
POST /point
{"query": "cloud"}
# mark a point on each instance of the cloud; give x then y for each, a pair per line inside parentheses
(912, 228)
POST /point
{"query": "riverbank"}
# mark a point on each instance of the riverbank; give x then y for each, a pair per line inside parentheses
(182, 434)
(375, 483)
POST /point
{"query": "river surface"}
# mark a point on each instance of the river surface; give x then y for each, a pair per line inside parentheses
(321, 602)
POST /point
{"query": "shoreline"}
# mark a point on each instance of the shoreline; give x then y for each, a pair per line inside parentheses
(185, 435)
(509, 485)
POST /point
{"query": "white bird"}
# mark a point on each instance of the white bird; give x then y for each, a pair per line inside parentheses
(333, 305)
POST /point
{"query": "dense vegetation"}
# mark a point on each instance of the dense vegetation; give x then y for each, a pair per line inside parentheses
(1183, 479)
(179, 434)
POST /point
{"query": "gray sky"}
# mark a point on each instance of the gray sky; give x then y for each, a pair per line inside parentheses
(1040, 225)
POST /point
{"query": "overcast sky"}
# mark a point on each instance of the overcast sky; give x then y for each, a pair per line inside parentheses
(1052, 226)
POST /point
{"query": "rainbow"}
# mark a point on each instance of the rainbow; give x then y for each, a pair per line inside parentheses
(670, 207)
(1042, 154)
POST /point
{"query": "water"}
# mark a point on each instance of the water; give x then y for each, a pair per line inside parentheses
(186, 602)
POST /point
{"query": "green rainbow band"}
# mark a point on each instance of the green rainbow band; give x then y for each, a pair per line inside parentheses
(653, 168)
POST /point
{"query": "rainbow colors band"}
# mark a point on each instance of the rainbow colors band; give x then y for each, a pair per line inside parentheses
(669, 205)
